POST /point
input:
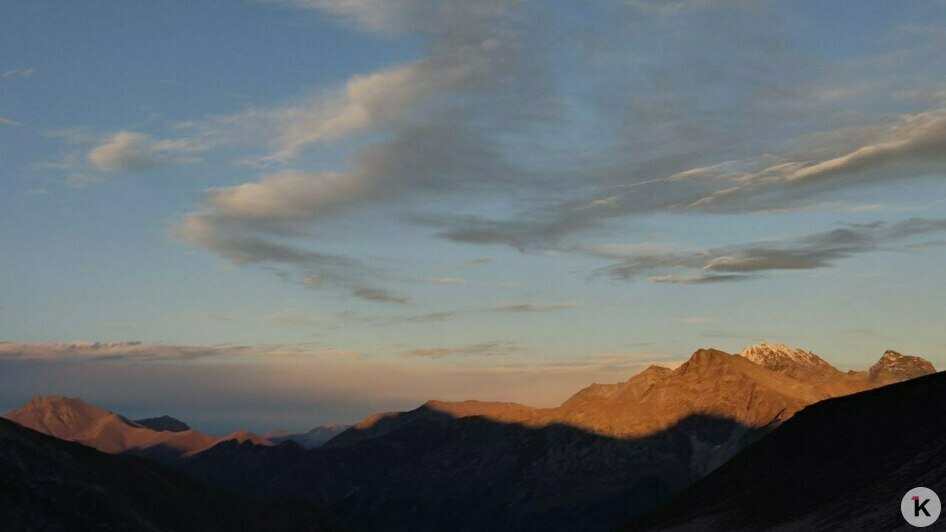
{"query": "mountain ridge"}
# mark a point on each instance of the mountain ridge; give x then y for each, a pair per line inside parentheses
(72, 419)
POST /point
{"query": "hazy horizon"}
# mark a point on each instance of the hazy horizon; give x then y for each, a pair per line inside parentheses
(285, 213)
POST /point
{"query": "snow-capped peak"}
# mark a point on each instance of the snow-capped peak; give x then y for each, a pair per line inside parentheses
(768, 354)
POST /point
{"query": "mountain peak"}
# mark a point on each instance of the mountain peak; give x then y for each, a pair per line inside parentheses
(796, 363)
(895, 367)
(705, 359)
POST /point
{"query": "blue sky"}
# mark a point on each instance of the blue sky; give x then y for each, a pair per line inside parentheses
(330, 208)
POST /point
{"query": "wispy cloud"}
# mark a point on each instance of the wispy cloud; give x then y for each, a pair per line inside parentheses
(17, 73)
(484, 350)
(131, 151)
(744, 262)
(8, 122)
(149, 352)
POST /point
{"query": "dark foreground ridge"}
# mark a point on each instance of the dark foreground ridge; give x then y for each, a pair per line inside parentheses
(436, 472)
(841, 464)
(50, 484)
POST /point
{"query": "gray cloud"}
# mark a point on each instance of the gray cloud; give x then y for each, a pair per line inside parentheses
(244, 243)
(483, 141)
(744, 262)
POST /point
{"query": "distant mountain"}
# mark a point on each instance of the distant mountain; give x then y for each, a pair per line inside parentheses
(72, 419)
(50, 484)
(841, 464)
(311, 439)
(163, 423)
(609, 452)
(894, 367)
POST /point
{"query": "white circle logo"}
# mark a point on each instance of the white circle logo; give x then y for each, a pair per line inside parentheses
(920, 507)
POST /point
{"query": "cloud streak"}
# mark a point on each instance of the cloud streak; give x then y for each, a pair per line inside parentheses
(129, 151)
(78, 351)
(478, 350)
(748, 261)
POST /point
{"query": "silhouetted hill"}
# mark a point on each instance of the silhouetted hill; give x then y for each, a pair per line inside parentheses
(163, 423)
(310, 439)
(841, 464)
(437, 472)
(50, 484)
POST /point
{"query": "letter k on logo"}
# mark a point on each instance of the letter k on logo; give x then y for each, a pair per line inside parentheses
(920, 507)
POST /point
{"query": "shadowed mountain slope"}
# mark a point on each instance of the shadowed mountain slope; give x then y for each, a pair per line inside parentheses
(437, 472)
(841, 464)
(50, 484)
(311, 439)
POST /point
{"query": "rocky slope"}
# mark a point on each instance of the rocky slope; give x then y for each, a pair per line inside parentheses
(894, 367)
(50, 484)
(841, 464)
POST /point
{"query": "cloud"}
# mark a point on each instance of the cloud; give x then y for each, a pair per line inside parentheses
(287, 195)
(242, 244)
(396, 16)
(78, 351)
(379, 295)
(909, 146)
(127, 151)
(292, 318)
(435, 118)
(17, 73)
(128, 351)
(481, 261)
(446, 281)
(744, 262)
(698, 279)
(519, 306)
(485, 349)
(8, 122)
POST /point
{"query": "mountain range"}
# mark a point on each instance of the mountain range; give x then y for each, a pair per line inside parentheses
(605, 455)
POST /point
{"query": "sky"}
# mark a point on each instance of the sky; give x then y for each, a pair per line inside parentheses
(286, 213)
